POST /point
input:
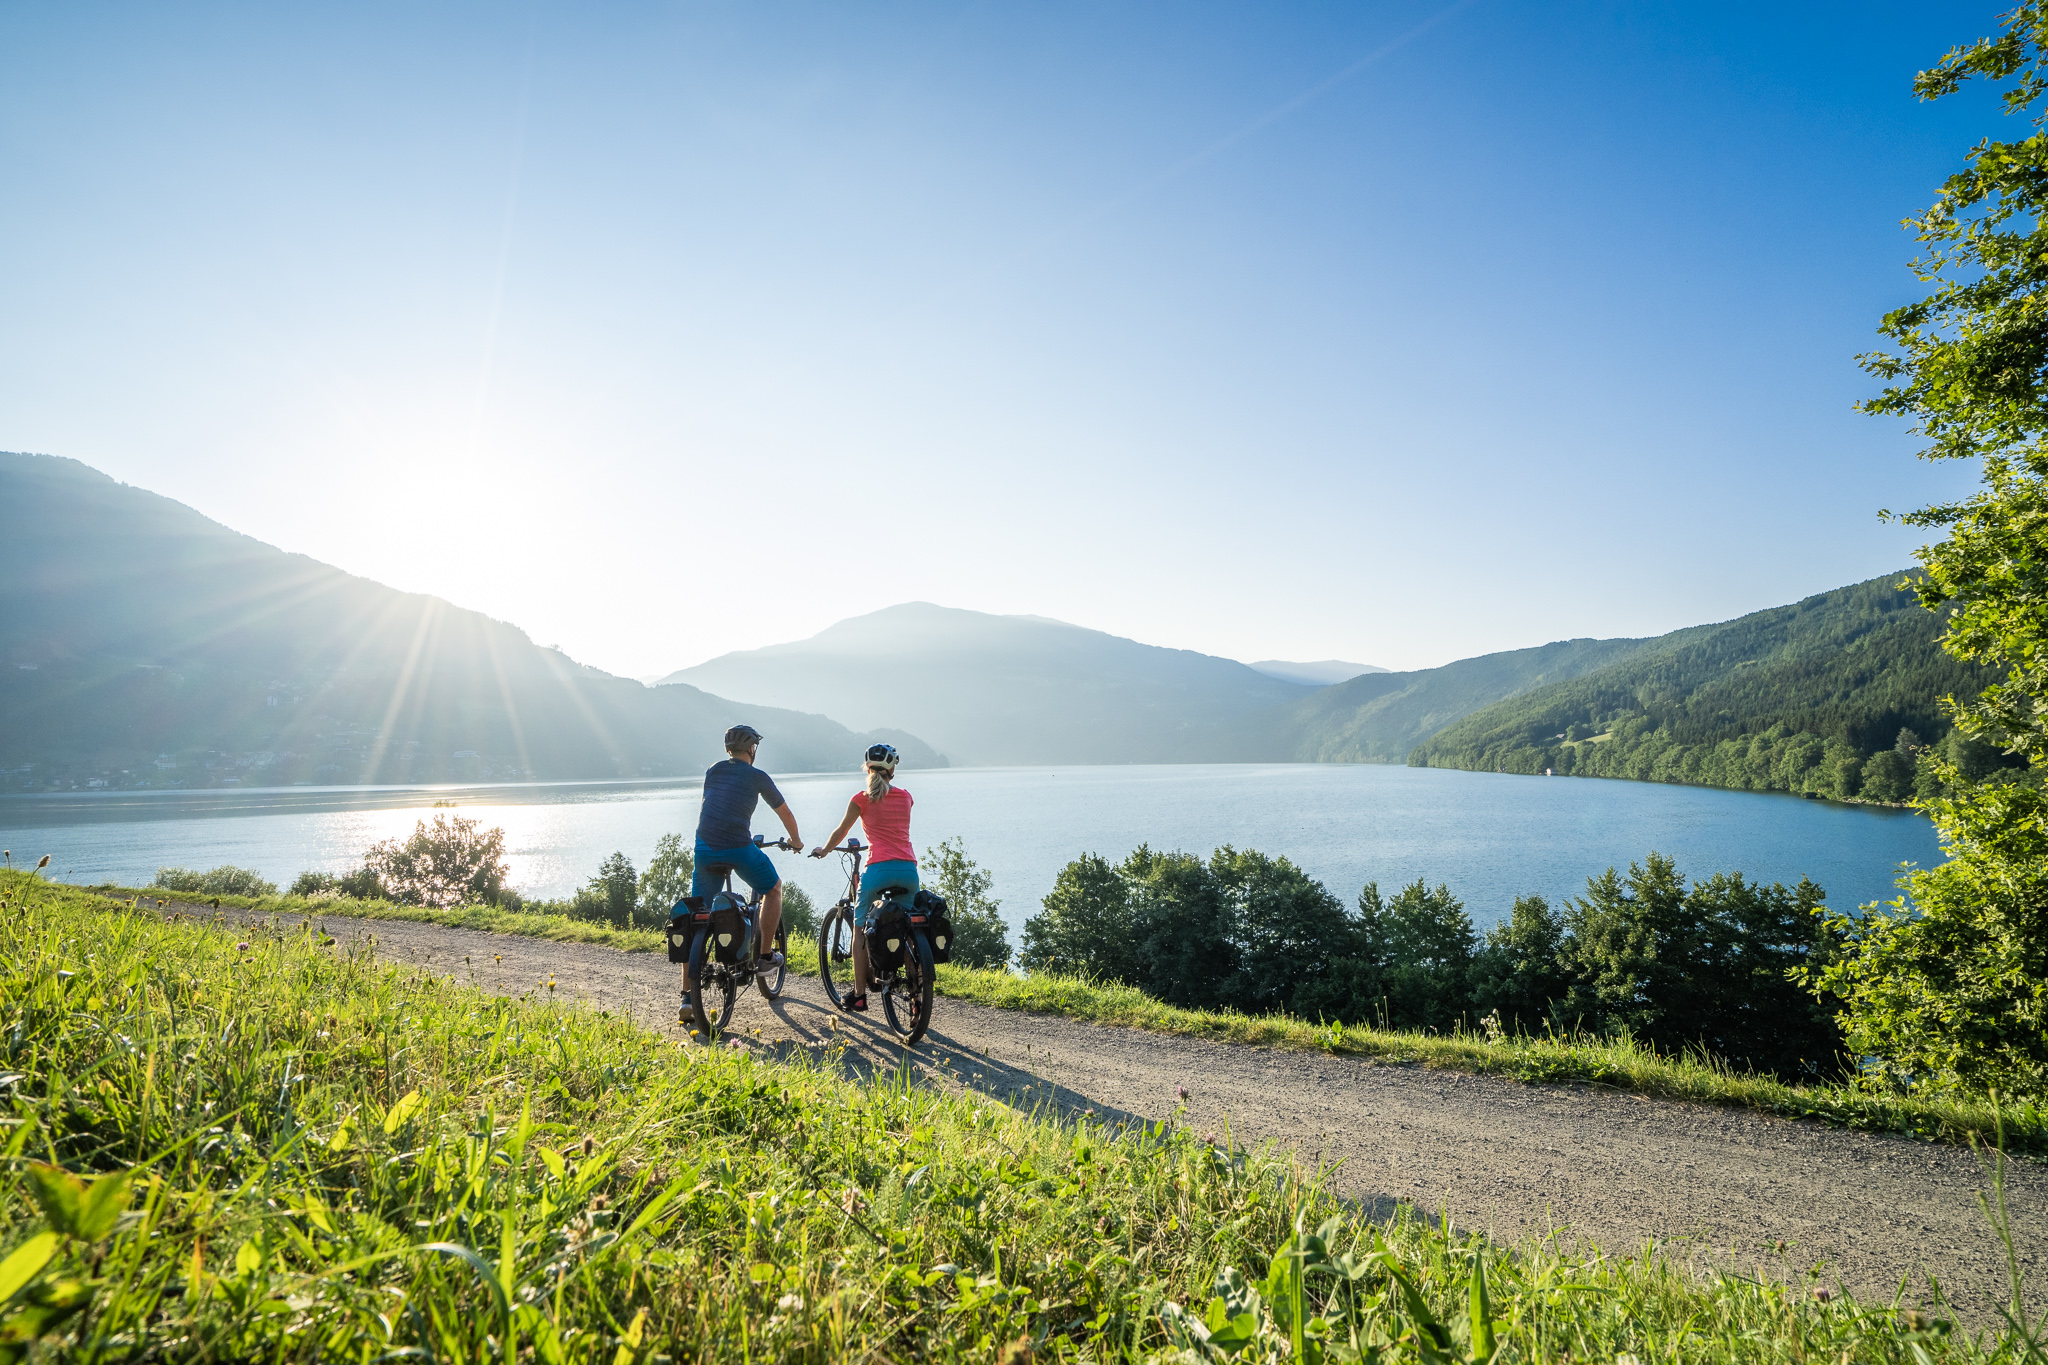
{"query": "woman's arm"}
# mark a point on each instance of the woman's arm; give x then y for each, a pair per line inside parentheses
(852, 814)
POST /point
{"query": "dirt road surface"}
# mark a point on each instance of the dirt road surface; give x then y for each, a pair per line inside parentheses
(1714, 1186)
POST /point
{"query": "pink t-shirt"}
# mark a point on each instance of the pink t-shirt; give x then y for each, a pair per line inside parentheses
(888, 825)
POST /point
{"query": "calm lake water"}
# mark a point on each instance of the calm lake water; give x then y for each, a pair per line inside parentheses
(1491, 837)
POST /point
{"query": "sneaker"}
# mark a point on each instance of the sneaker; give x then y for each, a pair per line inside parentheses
(857, 1003)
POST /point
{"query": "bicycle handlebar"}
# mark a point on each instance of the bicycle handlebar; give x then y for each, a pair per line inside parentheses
(761, 841)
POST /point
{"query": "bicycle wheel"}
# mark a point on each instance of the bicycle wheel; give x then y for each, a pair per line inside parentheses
(702, 967)
(775, 974)
(908, 1000)
(835, 953)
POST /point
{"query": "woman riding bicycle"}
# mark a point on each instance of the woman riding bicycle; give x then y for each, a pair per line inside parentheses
(884, 813)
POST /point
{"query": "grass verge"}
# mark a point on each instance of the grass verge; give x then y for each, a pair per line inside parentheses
(267, 1149)
(560, 928)
(1623, 1064)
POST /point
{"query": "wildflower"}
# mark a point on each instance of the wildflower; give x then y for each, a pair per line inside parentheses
(736, 1044)
(1821, 1295)
(1182, 1092)
(243, 946)
(44, 863)
(589, 1145)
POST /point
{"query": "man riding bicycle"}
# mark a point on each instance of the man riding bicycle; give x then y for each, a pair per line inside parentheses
(725, 835)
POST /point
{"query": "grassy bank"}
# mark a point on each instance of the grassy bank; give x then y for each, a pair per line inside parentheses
(560, 928)
(223, 1148)
(1624, 1065)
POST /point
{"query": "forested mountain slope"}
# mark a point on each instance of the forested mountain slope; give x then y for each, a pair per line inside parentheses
(1380, 717)
(1811, 697)
(1014, 689)
(142, 644)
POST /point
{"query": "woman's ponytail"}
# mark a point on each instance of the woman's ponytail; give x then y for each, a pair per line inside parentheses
(878, 780)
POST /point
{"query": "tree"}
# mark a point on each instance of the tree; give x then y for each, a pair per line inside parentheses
(1286, 928)
(450, 862)
(615, 887)
(1084, 926)
(1717, 967)
(667, 878)
(980, 938)
(799, 915)
(1945, 985)
(1421, 944)
(1517, 973)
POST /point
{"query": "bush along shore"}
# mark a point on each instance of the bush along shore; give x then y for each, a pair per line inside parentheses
(266, 1146)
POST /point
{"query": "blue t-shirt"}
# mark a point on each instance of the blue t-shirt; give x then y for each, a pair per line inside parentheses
(730, 790)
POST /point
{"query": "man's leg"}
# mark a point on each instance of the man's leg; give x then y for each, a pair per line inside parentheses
(771, 916)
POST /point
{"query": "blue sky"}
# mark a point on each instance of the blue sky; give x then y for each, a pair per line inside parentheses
(1389, 332)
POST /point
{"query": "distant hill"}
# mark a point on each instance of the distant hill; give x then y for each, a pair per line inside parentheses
(1792, 698)
(1380, 717)
(1319, 674)
(142, 644)
(1013, 689)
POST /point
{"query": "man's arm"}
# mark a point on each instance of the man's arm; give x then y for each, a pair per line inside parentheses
(796, 841)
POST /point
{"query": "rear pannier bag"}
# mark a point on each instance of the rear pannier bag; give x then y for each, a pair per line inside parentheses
(888, 937)
(728, 930)
(938, 925)
(682, 926)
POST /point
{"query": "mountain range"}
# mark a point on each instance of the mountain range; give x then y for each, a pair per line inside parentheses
(142, 644)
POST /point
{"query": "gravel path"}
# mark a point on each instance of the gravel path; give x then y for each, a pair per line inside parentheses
(1711, 1185)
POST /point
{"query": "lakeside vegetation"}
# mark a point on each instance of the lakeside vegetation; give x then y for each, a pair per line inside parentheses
(231, 1148)
(1711, 967)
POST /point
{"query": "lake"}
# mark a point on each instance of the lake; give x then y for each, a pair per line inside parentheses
(1491, 837)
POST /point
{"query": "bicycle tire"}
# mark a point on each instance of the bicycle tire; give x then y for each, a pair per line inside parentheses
(835, 953)
(911, 1015)
(706, 1025)
(779, 973)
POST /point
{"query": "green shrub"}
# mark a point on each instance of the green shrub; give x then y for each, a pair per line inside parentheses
(980, 938)
(224, 880)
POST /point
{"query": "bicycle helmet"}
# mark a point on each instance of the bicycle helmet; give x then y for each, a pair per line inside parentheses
(881, 753)
(740, 736)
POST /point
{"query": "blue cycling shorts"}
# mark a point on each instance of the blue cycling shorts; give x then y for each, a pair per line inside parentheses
(879, 877)
(750, 862)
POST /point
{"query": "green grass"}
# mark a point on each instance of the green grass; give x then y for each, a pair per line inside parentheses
(560, 928)
(1623, 1064)
(245, 1146)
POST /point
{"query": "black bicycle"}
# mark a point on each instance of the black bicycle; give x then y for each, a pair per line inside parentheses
(714, 936)
(900, 949)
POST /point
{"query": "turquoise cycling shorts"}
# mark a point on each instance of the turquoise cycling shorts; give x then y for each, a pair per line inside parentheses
(880, 877)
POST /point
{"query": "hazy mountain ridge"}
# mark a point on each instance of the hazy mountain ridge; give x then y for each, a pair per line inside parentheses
(1319, 673)
(1014, 689)
(143, 644)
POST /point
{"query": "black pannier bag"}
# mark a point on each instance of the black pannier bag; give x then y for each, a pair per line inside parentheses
(938, 925)
(728, 930)
(682, 927)
(888, 938)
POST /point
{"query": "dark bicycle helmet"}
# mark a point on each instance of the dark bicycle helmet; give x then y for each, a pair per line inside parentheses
(740, 736)
(881, 753)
